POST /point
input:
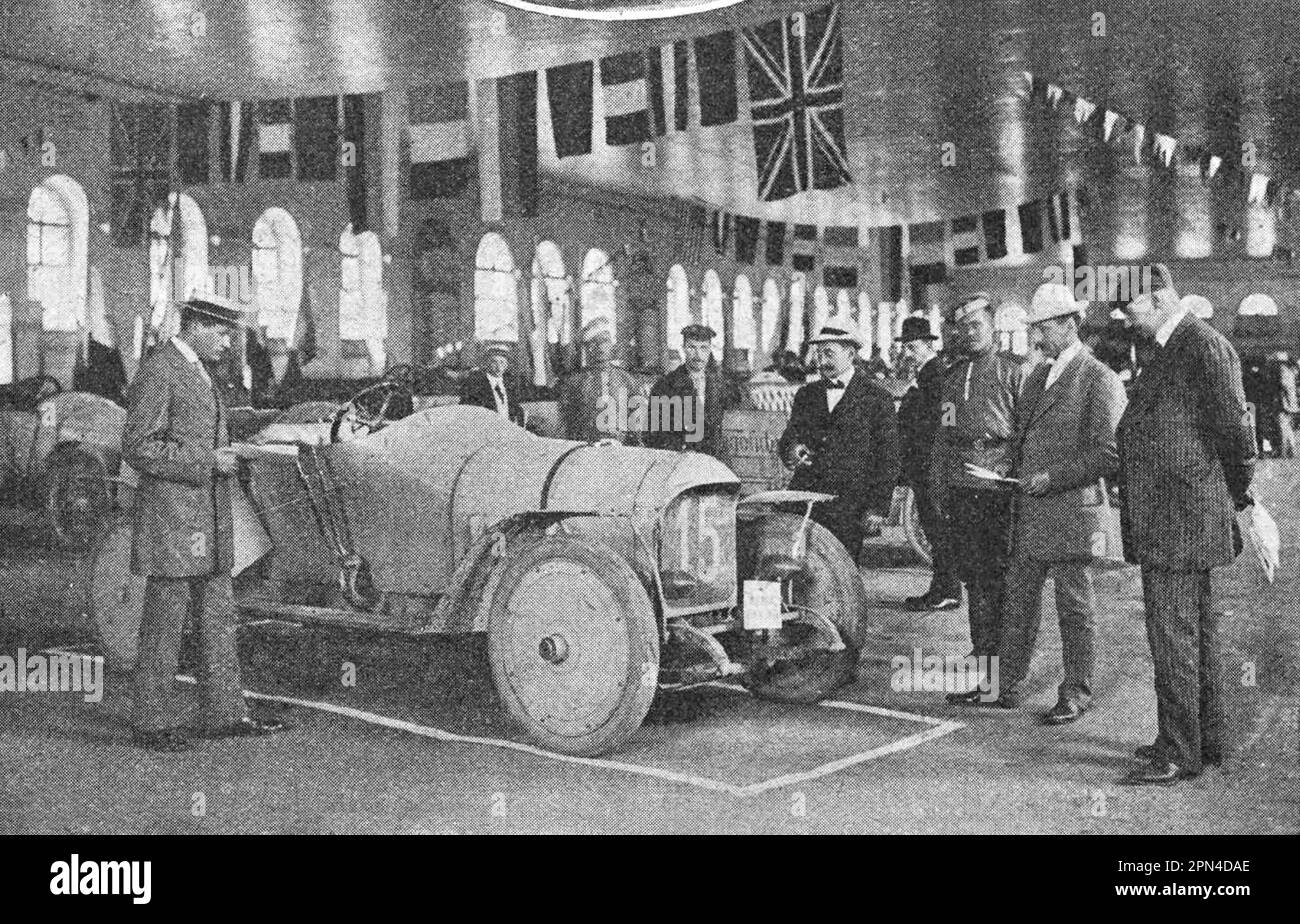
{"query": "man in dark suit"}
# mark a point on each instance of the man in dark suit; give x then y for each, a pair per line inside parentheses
(175, 437)
(976, 420)
(1064, 445)
(1187, 457)
(842, 439)
(590, 398)
(918, 418)
(680, 417)
(494, 386)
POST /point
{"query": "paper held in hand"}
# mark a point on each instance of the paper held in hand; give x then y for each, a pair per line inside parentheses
(1264, 536)
(988, 474)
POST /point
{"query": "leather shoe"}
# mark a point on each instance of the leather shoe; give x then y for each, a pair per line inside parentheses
(167, 740)
(969, 698)
(247, 727)
(1149, 752)
(918, 603)
(1156, 773)
(1064, 712)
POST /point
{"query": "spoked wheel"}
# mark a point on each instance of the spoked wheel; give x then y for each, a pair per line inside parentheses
(574, 645)
(912, 528)
(78, 497)
(828, 583)
(114, 596)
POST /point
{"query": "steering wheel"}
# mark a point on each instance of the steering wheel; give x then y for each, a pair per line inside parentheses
(366, 412)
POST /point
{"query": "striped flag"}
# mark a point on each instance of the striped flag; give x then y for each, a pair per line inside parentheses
(927, 247)
(440, 140)
(275, 139)
(965, 242)
(632, 85)
(804, 257)
(840, 266)
(235, 129)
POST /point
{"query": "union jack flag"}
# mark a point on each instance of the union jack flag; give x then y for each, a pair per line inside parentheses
(796, 92)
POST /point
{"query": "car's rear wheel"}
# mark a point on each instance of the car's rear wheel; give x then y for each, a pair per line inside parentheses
(573, 643)
(114, 596)
(78, 497)
(828, 583)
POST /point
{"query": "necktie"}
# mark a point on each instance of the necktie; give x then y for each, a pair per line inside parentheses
(501, 396)
(834, 383)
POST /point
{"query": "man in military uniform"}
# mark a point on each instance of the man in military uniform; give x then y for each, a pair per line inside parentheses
(175, 437)
(976, 420)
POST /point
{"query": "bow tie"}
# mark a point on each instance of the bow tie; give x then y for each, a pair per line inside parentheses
(834, 383)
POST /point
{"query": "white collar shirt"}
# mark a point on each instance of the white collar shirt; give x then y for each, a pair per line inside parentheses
(187, 351)
(498, 385)
(835, 395)
(1059, 364)
(1167, 329)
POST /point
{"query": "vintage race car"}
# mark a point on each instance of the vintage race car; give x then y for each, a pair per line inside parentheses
(601, 574)
(60, 452)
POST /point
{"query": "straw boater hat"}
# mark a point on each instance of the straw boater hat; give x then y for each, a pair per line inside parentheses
(980, 301)
(597, 328)
(1053, 300)
(831, 334)
(216, 308)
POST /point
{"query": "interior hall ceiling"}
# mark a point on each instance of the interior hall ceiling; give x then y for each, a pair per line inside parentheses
(918, 74)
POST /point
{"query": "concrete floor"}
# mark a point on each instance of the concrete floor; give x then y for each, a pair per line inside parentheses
(392, 755)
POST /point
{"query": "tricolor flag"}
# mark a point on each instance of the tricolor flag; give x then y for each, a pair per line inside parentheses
(275, 139)
(1063, 218)
(235, 130)
(440, 140)
(804, 257)
(632, 85)
(715, 68)
(926, 245)
(966, 240)
(840, 260)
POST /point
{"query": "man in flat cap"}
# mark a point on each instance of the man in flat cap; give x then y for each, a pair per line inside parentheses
(976, 420)
(175, 437)
(918, 419)
(1063, 451)
(1186, 461)
(493, 386)
(589, 398)
(699, 390)
(842, 439)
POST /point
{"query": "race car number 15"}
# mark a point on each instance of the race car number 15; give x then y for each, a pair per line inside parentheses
(700, 537)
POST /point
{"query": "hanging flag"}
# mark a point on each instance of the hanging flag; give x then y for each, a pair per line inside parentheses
(1031, 227)
(995, 234)
(715, 68)
(965, 240)
(720, 222)
(235, 130)
(1139, 141)
(316, 137)
(927, 245)
(521, 132)
(440, 140)
(352, 131)
(774, 252)
(275, 139)
(796, 91)
(681, 84)
(1259, 184)
(804, 257)
(1083, 110)
(488, 144)
(193, 146)
(568, 91)
(891, 263)
(840, 258)
(746, 239)
(1108, 122)
(1164, 145)
(140, 150)
(1062, 218)
(655, 61)
(627, 98)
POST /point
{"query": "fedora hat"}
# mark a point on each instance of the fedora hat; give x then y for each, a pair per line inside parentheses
(1053, 300)
(831, 334)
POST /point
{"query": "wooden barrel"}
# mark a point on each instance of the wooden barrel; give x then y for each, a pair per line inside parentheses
(749, 439)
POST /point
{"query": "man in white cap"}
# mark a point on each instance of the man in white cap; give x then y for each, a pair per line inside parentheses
(1063, 451)
(493, 386)
(590, 397)
(976, 419)
(842, 439)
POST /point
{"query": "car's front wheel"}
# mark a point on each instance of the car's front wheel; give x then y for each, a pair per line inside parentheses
(573, 643)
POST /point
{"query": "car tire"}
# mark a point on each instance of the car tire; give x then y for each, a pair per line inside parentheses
(916, 537)
(574, 644)
(78, 497)
(830, 583)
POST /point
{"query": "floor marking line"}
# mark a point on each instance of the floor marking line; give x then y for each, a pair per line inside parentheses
(939, 728)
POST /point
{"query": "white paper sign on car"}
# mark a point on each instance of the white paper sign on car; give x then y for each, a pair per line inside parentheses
(762, 605)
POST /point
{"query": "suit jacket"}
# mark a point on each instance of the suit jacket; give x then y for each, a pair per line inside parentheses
(718, 396)
(854, 448)
(1068, 431)
(580, 410)
(918, 418)
(1187, 453)
(477, 390)
(175, 422)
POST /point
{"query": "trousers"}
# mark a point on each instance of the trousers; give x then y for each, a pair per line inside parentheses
(167, 603)
(1022, 613)
(934, 523)
(1183, 631)
(981, 546)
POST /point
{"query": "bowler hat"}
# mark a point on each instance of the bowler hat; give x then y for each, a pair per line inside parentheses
(916, 327)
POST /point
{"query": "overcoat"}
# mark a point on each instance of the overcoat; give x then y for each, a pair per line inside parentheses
(719, 395)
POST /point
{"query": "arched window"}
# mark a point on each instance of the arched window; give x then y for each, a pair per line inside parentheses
(769, 328)
(496, 297)
(598, 285)
(178, 264)
(743, 336)
(794, 335)
(58, 229)
(1258, 304)
(711, 309)
(363, 303)
(1009, 325)
(865, 329)
(678, 312)
(277, 273)
(552, 306)
(821, 309)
